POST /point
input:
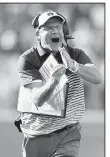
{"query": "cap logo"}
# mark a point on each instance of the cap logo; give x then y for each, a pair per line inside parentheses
(50, 13)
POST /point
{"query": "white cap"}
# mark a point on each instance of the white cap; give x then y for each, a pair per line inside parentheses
(44, 17)
(41, 19)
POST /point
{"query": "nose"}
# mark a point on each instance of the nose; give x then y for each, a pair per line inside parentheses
(54, 30)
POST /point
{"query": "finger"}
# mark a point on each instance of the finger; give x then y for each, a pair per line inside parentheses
(60, 66)
(64, 42)
(62, 69)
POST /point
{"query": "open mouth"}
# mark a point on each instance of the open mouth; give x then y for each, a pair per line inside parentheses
(55, 40)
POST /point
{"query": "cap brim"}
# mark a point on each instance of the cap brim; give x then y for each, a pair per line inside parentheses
(43, 20)
(57, 16)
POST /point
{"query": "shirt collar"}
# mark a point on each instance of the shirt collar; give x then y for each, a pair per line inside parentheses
(42, 52)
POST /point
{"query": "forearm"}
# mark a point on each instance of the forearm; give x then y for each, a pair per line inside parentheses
(43, 93)
(89, 73)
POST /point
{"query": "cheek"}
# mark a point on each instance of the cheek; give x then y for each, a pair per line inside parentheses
(45, 36)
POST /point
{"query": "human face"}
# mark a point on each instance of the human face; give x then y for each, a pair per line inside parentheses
(51, 35)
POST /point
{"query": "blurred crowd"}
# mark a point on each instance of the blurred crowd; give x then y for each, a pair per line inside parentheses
(86, 24)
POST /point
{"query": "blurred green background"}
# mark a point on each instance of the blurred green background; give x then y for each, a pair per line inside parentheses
(87, 25)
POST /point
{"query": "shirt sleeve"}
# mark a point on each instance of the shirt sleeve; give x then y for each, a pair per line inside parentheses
(79, 55)
(82, 57)
(27, 72)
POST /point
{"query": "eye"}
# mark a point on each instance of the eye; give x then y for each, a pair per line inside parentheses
(58, 27)
(48, 27)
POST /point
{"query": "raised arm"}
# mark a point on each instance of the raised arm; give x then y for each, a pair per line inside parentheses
(87, 70)
(90, 73)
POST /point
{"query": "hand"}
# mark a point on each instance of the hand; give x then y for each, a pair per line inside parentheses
(45, 45)
(58, 72)
(68, 62)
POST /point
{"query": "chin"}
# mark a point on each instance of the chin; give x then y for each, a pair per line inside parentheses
(54, 51)
(55, 48)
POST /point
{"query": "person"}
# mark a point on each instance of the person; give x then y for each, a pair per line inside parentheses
(49, 136)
